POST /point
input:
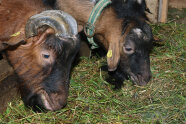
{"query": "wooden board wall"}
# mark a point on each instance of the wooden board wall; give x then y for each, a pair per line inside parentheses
(159, 9)
(177, 3)
(153, 7)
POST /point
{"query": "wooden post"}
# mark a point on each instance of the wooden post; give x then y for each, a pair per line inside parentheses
(163, 9)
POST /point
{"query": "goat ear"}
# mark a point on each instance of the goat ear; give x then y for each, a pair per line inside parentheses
(113, 56)
(13, 40)
(2, 46)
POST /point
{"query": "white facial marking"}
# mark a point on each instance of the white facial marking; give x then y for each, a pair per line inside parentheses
(138, 31)
(139, 1)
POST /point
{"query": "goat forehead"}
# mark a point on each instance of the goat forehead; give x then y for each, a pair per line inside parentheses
(138, 43)
(55, 45)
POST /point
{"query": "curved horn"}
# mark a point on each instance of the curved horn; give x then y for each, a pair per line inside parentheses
(61, 22)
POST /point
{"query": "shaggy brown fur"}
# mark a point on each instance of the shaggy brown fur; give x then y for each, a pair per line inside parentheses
(14, 15)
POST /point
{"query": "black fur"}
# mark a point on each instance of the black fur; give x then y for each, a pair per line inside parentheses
(49, 3)
(1, 57)
(136, 63)
(130, 9)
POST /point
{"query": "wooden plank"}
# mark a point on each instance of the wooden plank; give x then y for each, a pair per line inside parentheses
(153, 7)
(8, 84)
(5, 69)
(177, 4)
(163, 9)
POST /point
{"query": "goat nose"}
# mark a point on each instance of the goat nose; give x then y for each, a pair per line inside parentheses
(43, 102)
(143, 80)
(34, 101)
(149, 77)
(53, 101)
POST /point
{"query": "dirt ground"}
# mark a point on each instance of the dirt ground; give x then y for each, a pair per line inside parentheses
(177, 15)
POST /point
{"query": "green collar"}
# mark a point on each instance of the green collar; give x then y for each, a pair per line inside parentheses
(89, 27)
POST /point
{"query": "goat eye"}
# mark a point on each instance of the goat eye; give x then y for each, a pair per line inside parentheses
(46, 56)
(128, 49)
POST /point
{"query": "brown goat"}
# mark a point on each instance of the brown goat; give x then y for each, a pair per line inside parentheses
(41, 50)
(122, 30)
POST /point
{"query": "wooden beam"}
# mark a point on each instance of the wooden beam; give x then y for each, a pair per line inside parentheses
(163, 9)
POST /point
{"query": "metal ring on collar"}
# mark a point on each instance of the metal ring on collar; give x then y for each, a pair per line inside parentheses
(89, 28)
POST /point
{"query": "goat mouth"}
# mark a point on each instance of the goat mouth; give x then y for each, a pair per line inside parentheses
(51, 102)
(47, 103)
(138, 79)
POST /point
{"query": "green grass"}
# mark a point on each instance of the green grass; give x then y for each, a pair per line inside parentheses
(93, 100)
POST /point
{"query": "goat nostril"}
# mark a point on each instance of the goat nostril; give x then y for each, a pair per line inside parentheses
(140, 78)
